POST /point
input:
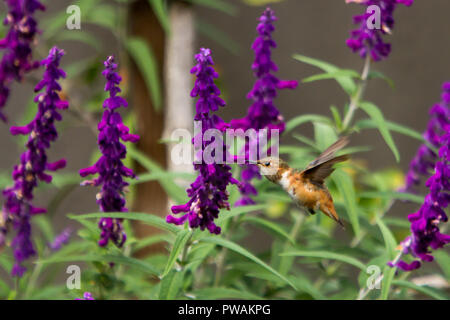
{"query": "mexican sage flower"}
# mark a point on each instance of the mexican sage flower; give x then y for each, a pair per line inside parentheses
(86, 296)
(208, 192)
(425, 233)
(262, 114)
(110, 168)
(370, 40)
(60, 240)
(33, 166)
(17, 58)
(424, 161)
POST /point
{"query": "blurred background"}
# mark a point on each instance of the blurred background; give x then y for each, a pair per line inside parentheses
(418, 65)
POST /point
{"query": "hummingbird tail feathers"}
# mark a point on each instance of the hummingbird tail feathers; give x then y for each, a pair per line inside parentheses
(331, 212)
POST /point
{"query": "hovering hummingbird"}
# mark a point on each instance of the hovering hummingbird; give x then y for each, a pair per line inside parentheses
(307, 187)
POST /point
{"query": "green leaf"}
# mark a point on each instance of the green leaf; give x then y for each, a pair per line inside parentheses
(389, 239)
(346, 188)
(332, 75)
(142, 54)
(377, 116)
(345, 82)
(217, 35)
(237, 211)
(160, 10)
(422, 289)
(376, 74)
(102, 15)
(392, 195)
(79, 36)
(238, 249)
(443, 260)
(306, 118)
(181, 240)
(171, 285)
(220, 5)
(337, 117)
(224, 293)
(327, 255)
(324, 135)
(388, 276)
(119, 259)
(271, 226)
(173, 190)
(146, 218)
(395, 127)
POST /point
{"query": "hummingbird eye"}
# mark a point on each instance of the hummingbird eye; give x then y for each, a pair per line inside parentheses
(267, 164)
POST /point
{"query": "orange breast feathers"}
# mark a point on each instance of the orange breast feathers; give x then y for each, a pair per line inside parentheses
(300, 190)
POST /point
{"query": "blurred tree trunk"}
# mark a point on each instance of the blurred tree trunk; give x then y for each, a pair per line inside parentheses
(173, 54)
(150, 196)
(179, 113)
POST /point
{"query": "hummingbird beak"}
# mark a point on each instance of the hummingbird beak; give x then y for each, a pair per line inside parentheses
(253, 162)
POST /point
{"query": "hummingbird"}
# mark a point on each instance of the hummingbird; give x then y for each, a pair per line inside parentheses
(307, 187)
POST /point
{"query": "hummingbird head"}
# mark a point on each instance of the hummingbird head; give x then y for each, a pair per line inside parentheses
(272, 168)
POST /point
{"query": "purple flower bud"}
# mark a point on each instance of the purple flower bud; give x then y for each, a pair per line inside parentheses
(17, 58)
(262, 113)
(425, 233)
(61, 239)
(110, 168)
(18, 208)
(208, 192)
(370, 40)
(86, 296)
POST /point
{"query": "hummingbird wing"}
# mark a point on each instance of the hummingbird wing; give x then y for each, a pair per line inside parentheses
(318, 173)
(328, 154)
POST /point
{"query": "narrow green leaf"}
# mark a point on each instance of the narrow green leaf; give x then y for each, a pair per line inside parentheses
(345, 82)
(343, 73)
(217, 35)
(389, 239)
(160, 10)
(237, 211)
(305, 118)
(142, 54)
(181, 240)
(422, 289)
(173, 190)
(79, 36)
(376, 115)
(346, 188)
(337, 117)
(327, 255)
(443, 260)
(395, 127)
(224, 293)
(269, 225)
(238, 249)
(392, 195)
(221, 5)
(388, 277)
(171, 285)
(376, 74)
(146, 218)
(324, 135)
(119, 259)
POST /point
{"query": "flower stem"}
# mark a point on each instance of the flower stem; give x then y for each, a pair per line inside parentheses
(356, 99)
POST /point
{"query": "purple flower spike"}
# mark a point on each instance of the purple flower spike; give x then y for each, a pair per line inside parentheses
(86, 296)
(110, 168)
(61, 240)
(208, 192)
(425, 233)
(18, 208)
(17, 58)
(424, 161)
(365, 40)
(262, 114)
